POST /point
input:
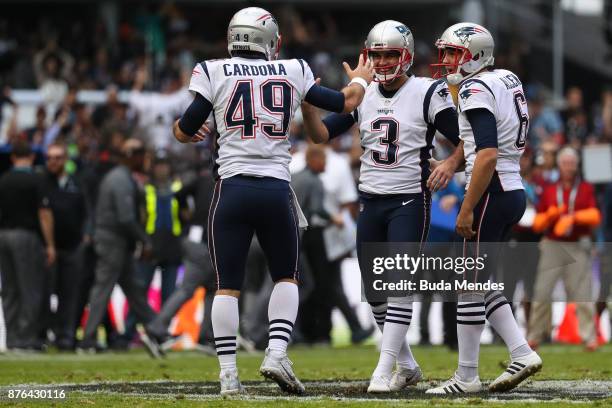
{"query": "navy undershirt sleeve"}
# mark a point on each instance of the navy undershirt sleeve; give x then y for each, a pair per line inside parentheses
(446, 123)
(484, 127)
(325, 98)
(338, 123)
(195, 115)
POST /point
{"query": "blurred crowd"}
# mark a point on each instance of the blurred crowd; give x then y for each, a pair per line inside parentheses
(62, 247)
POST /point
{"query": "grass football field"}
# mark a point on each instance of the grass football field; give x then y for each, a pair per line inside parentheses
(332, 376)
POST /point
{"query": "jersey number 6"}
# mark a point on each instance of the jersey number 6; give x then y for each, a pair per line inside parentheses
(276, 99)
(520, 104)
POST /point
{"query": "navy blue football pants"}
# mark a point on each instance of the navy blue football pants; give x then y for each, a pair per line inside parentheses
(494, 216)
(392, 218)
(242, 206)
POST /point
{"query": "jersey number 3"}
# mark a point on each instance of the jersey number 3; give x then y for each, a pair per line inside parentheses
(276, 98)
(520, 104)
(389, 140)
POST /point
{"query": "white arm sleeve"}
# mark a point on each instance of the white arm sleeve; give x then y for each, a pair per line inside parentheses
(307, 80)
(200, 81)
(475, 94)
(440, 100)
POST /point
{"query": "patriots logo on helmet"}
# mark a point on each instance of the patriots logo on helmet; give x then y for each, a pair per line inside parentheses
(443, 93)
(267, 17)
(468, 92)
(404, 31)
(464, 33)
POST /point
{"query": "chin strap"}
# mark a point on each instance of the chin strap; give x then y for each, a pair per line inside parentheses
(454, 79)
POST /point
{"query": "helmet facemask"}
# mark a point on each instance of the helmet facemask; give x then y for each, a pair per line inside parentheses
(473, 46)
(452, 71)
(401, 67)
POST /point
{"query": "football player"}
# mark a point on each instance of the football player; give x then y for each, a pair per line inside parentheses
(493, 123)
(253, 96)
(397, 121)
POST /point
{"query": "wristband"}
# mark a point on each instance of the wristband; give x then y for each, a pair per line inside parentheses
(359, 81)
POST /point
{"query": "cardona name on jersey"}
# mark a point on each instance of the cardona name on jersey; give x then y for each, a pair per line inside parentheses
(254, 70)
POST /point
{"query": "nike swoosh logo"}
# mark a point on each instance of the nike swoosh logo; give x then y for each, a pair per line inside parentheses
(407, 202)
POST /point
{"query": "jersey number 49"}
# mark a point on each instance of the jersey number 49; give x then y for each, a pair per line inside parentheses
(275, 97)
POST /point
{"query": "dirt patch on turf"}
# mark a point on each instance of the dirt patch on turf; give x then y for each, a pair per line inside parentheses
(583, 390)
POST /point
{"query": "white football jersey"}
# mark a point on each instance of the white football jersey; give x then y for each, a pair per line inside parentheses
(397, 135)
(253, 103)
(501, 92)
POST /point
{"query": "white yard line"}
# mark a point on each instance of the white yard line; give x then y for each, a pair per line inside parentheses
(532, 391)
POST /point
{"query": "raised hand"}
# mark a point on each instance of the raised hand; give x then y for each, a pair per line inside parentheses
(364, 69)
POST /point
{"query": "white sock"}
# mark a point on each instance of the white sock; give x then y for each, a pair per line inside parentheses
(499, 315)
(470, 324)
(225, 316)
(282, 311)
(379, 312)
(405, 359)
(397, 321)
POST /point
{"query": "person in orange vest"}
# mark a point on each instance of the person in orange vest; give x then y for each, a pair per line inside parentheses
(567, 214)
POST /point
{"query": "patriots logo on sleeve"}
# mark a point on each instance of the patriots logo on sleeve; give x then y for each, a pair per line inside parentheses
(465, 94)
(443, 93)
(464, 33)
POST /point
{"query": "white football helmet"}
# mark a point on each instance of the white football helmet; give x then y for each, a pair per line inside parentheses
(474, 45)
(254, 29)
(390, 35)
